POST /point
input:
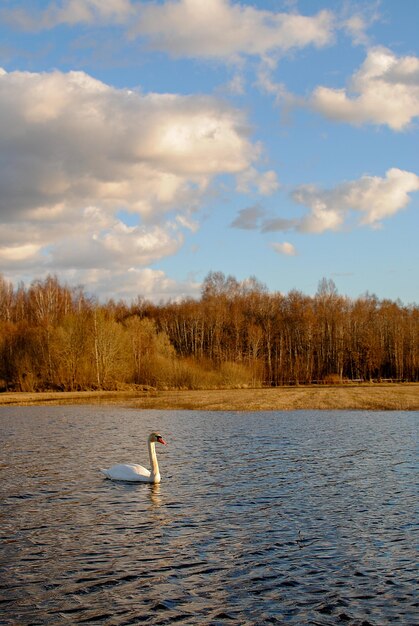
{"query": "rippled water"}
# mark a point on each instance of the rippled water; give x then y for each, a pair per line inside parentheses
(262, 518)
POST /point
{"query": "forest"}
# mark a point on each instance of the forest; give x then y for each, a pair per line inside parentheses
(236, 334)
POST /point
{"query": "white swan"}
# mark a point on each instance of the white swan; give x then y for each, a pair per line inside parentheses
(138, 473)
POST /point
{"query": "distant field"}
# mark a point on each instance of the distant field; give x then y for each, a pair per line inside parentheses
(391, 396)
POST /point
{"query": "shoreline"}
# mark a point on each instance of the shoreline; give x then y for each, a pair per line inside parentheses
(360, 396)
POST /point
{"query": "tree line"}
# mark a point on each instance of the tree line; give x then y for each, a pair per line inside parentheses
(236, 334)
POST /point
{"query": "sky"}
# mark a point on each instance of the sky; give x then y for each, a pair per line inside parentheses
(144, 144)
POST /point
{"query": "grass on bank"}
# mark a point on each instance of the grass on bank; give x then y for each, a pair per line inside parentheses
(373, 397)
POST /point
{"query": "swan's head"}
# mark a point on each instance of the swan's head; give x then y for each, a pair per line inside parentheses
(156, 438)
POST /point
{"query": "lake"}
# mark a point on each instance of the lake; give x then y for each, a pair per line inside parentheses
(297, 518)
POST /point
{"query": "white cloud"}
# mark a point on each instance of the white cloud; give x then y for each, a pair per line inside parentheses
(269, 86)
(266, 183)
(385, 90)
(356, 27)
(71, 12)
(236, 85)
(225, 29)
(356, 19)
(11, 254)
(371, 198)
(72, 140)
(75, 151)
(220, 29)
(366, 201)
(187, 223)
(284, 248)
(116, 246)
(152, 284)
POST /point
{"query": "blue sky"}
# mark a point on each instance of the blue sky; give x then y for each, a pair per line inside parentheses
(144, 144)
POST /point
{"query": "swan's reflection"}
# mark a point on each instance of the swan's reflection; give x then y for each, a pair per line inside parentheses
(155, 495)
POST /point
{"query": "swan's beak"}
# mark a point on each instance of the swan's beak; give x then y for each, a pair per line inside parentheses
(161, 440)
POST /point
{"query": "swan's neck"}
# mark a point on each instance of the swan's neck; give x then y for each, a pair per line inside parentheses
(155, 473)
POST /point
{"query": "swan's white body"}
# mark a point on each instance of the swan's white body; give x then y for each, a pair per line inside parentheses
(138, 473)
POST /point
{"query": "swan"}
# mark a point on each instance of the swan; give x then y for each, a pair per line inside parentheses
(138, 473)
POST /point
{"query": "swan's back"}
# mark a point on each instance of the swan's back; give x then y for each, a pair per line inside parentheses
(133, 473)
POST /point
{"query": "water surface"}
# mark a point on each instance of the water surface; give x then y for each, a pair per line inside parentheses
(262, 518)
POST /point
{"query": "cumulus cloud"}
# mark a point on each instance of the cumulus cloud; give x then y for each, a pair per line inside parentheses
(356, 19)
(363, 202)
(284, 248)
(356, 27)
(115, 246)
(221, 28)
(212, 28)
(236, 86)
(385, 90)
(10, 254)
(149, 283)
(266, 183)
(75, 151)
(70, 12)
(371, 199)
(69, 135)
